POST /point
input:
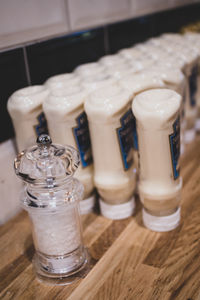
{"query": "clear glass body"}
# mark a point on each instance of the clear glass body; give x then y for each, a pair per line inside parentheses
(56, 229)
(51, 198)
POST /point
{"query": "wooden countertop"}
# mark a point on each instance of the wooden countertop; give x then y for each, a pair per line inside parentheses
(128, 260)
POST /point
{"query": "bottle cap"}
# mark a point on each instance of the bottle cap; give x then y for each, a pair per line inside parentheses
(161, 223)
(117, 211)
(87, 205)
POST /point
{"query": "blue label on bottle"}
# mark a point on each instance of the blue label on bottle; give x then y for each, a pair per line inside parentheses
(174, 140)
(41, 127)
(125, 137)
(135, 137)
(82, 137)
(193, 85)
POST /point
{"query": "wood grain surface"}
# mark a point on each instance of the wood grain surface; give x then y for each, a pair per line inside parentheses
(128, 261)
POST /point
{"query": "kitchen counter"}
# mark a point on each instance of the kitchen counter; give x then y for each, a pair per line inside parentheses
(128, 261)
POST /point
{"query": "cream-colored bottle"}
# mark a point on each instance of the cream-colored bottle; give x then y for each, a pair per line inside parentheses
(130, 53)
(91, 84)
(89, 69)
(67, 123)
(25, 109)
(142, 63)
(189, 59)
(135, 84)
(157, 114)
(154, 41)
(138, 59)
(194, 40)
(175, 80)
(181, 50)
(60, 80)
(152, 51)
(172, 37)
(181, 53)
(171, 63)
(111, 60)
(111, 129)
(191, 106)
(118, 71)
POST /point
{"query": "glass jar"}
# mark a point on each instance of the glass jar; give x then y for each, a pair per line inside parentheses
(51, 197)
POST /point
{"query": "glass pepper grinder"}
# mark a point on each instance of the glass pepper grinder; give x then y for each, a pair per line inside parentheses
(51, 198)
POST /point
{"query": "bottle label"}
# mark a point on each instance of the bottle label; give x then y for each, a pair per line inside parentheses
(193, 85)
(174, 140)
(82, 137)
(41, 127)
(135, 137)
(125, 136)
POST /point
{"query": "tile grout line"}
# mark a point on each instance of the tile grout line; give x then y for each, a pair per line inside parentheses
(68, 19)
(28, 76)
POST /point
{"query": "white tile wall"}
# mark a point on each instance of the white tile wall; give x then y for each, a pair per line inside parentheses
(142, 7)
(10, 185)
(88, 13)
(25, 20)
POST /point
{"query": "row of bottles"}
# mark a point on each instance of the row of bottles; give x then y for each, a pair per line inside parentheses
(90, 109)
(129, 114)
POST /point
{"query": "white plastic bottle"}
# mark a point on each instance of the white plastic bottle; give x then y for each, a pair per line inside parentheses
(191, 106)
(25, 109)
(135, 84)
(60, 80)
(142, 63)
(171, 63)
(173, 37)
(180, 49)
(68, 125)
(90, 84)
(89, 69)
(157, 115)
(138, 82)
(111, 60)
(172, 78)
(193, 39)
(154, 41)
(130, 53)
(111, 128)
(175, 80)
(118, 71)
